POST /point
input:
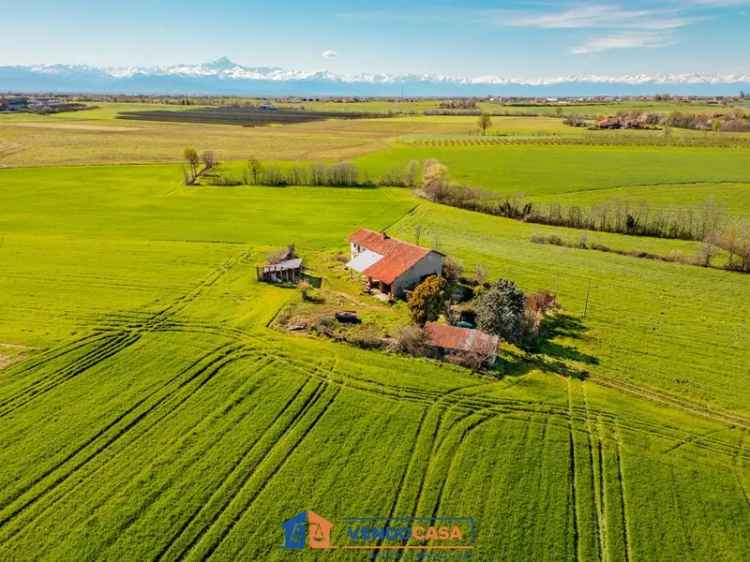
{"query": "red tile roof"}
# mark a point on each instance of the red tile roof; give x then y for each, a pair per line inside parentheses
(461, 339)
(398, 256)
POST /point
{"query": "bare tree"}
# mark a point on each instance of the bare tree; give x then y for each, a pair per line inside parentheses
(209, 160)
(255, 168)
(191, 157)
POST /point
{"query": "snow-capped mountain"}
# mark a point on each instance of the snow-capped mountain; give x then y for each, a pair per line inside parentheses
(224, 77)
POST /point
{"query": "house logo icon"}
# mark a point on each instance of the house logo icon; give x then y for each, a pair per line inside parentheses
(308, 528)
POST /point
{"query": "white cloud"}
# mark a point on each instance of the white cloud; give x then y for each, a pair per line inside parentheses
(625, 40)
(329, 54)
(587, 16)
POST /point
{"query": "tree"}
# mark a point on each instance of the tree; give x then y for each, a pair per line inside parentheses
(452, 270)
(485, 122)
(209, 160)
(501, 311)
(191, 157)
(255, 168)
(428, 300)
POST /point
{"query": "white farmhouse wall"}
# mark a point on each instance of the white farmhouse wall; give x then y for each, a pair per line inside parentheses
(431, 264)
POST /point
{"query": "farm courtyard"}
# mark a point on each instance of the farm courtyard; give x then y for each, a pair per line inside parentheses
(151, 407)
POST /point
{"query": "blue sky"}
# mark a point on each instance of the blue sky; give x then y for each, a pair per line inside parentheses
(469, 38)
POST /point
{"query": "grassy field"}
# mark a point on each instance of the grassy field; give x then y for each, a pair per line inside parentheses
(585, 175)
(151, 409)
(186, 429)
(98, 136)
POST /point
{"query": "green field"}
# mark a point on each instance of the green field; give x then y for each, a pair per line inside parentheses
(585, 175)
(151, 410)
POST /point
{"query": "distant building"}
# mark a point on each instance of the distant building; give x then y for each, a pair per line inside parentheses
(390, 265)
(287, 271)
(451, 340)
(17, 103)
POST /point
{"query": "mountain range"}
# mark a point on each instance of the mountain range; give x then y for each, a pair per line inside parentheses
(224, 77)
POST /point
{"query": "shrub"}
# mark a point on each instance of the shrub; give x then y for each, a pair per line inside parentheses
(428, 300)
(452, 270)
(553, 239)
(412, 340)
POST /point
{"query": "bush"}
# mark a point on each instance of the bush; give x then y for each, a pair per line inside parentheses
(412, 340)
(452, 270)
(428, 300)
(553, 239)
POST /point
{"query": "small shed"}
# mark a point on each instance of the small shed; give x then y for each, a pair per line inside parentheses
(452, 340)
(287, 271)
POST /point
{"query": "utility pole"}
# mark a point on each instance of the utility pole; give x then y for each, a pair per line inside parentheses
(586, 306)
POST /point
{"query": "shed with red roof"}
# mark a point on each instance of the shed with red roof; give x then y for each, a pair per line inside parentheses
(455, 340)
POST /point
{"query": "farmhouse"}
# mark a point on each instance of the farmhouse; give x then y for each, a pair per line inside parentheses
(451, 340)
(391, 266)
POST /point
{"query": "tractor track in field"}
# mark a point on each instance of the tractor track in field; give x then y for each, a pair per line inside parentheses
(102, 500)
(454, 455)
(509, 406)
(672, 401)
(597, 516)
(236, 468)
(115, 335)
(164, 323)
(420, 396)
(628, 550)
(436, 406)
(680, 511)
(695, 439)
(242, 475)
(41, 362)
(601, 497)
(737, 466)
(572, 475)
(112, 347)
(402, 479)
(209, 445)
(49, 355)
(214, 365)
(224, 532)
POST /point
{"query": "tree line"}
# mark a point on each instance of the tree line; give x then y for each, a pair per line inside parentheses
(707, 223)
(255, 172)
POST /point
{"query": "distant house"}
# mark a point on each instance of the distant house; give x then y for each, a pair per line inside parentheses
(451, 340)
(390, 265)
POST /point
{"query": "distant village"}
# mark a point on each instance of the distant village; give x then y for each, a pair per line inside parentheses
(39, 104)
(52, 103)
